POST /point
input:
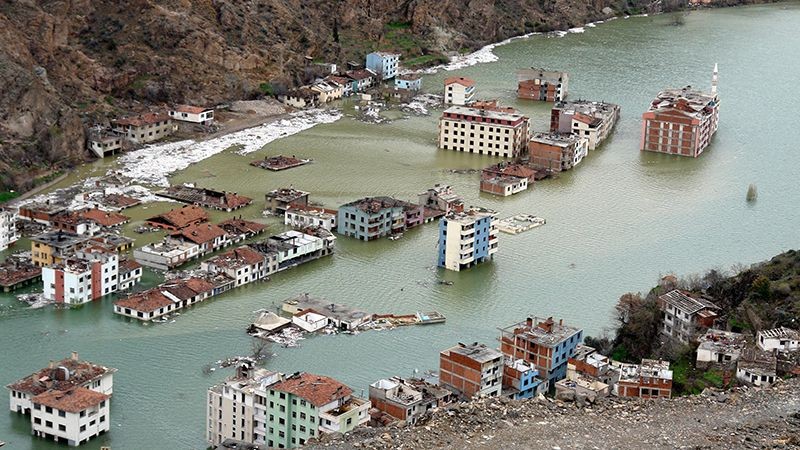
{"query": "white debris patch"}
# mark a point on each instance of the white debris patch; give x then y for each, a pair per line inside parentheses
(153, 163)
(421, 104)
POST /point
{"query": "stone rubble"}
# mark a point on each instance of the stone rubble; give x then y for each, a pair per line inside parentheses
(739, 418)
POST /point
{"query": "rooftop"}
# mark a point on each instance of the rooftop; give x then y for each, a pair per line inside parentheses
(238, 257)
(756, 361)
(191, 109)
(587, 107)
(556, 139)
(511, 169)
(200, 233)
(143, 119)
(241, 226)
(128, 265)
(470, 215)
(59, 239)
(780, 333)
(317, 389)
(286, 195)
(206, 197)
(53, 377)
(487, 113)
(655, 368)
(467, 82)
(104, 218)
(543, 332)
(539, 73)
(685, 302)
(146, 301)
(73, 400)
(322, 306)
(181, 217)
(476, 352)
(360, 74)
(684, 99)
(16, 270)
(722, 341)
(374, 205)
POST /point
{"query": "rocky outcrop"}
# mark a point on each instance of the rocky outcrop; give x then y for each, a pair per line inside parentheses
(64, 62)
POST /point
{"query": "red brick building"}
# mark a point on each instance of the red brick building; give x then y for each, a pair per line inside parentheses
(471, 370)
(650, 379)
(542, 85)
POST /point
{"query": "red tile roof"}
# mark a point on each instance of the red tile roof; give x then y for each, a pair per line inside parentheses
(146, 301)
(74, 400)
(238, 257)
(467, 82)
(201, 233)
(80, 372)
(242, 226)
(317, 389)
(181, 217)
(104, 218)
(128, 265)
(199, 285)
(144, 119)
(190, 109)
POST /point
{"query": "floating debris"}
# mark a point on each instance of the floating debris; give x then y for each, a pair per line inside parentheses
(520, 223)
(35, 300)
(752, 193)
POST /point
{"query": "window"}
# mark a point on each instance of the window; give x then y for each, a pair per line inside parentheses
(83, 428)
(48, 410)
(61, 413)
(62, 427)
(37, 421)
(48, 424)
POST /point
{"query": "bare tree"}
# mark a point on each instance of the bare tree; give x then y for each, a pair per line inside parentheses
(261, 349)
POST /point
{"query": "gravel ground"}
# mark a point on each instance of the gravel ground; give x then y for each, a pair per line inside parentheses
(740, 418)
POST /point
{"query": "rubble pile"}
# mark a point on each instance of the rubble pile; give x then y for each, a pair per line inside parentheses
(738, 418)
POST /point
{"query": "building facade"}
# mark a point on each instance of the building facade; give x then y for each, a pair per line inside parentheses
(466, 239)
(557, 151)
(484, 132)
(145, 128)
(686, 316)
(71, 416)
(521, 380)
(459, 91)
(590, 120)
(471, 370)
(376, 217)
(442, 198)
(384, 64)
(303, 216)
(8, 228)
(541, 84)
(503, 185)
(780, 339)
(542, 342)
(192, 114)
(88, 275)
(408, 82)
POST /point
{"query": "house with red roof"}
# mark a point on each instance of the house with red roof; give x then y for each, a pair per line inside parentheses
(192, 114)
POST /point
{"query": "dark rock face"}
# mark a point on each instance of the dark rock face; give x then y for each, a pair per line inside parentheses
(66, 63)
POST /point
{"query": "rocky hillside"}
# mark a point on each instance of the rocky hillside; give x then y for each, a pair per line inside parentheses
(737, 419)
(64, 63)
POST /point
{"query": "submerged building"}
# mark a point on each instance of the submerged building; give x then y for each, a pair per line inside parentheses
(466, 238)
(681, 121)
(542, 84)
(483, 131)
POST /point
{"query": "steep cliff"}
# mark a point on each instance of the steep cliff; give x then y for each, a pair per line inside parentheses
(64, 62)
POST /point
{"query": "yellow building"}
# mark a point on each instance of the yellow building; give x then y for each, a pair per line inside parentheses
(51, 248)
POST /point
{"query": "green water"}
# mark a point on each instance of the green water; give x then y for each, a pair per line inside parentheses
(614, 224)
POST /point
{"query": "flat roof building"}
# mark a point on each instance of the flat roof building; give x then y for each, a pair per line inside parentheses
(473, 370)
(483, 131)
(542, 84)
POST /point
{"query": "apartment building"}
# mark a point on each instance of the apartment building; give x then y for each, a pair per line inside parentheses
(542, 342)
(459, 91)
(68, 373)
(681, 121)
(384, 64)
(442, 198)
(130, 273)
(279, 200)
(244, 265)
(376, 217)
(557, 152)
(293, 247)
(72, 416)
(407, 399)
(542, 84)
(473, 370)
(145, 128)
(54, 246)
(303, 405)
(166, 255)
(521, 380)
(8, 228)
(307, 216)
(482, 131)
(88, 275)
(466, 238)
(686, 315)
(586, 119)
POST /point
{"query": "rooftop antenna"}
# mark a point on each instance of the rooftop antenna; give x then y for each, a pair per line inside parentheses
(714, 79)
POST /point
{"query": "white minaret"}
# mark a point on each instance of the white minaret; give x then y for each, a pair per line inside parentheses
(714, 80)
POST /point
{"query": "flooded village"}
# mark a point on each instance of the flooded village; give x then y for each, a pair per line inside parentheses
(191, 244)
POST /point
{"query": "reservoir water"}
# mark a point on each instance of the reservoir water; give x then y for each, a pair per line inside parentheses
(614, 224)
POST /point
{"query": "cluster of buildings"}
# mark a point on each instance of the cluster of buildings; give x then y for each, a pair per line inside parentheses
(485, 128)
(68, 402)
(144, 128)
(228, 270)
(681, 121)
(332, 85)
(758, 360)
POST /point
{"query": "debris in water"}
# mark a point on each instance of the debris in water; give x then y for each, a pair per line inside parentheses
(752, 192)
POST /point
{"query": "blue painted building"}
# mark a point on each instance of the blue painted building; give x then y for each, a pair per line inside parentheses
(408, 82)
(466, 238)
(384, 64)
(544, 344)
(521, 380)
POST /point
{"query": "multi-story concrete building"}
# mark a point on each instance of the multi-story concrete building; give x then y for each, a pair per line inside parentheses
(407, 399)
(62, 375)
(542, 84)
(192, 114)
(384, 64)
(442, 198)
(208, 237)
(166, 255)
(104, 142)
(130, 273)
(376, 217)
(279, 200)
(237, 407)
(292, 248)
(586, 119)
(471, 370)
(88, 275)
(781, 339)
(720, 348)
(459, 91)
(145, 128)
(483, 131)
(308, 216)
(503, 185)
(8, 228)
(410, 82)
(544, 343)
(243, 264)
(557, 151)
(303, 405)
(53, 247)
(521, 380)
(72, 416)
(685, 315)
(681, 121)
(466, 238)
(650, 379)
